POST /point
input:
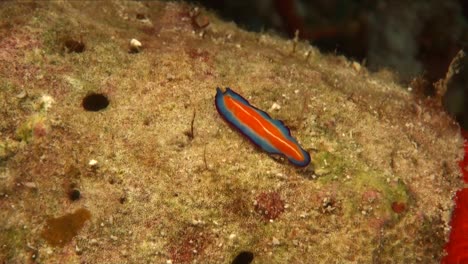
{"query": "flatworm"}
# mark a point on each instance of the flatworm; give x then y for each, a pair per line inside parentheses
(269, 134)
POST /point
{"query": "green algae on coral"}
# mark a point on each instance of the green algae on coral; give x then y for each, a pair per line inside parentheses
(33, 126)
(12, 241)
(7, 148)
(61, 230)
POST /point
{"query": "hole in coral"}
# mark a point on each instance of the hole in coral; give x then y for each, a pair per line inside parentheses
(147, 121)
(140, 16)
(244, 257)
(76, 46)
(95, 102)
(74, 194)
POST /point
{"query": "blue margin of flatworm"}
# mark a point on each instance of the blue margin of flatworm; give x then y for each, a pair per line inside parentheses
(252, 136)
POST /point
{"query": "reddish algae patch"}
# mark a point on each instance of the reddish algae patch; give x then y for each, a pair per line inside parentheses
(61, 230)
(398, 207)
(190, 244)
(457, 247)
(269, 205)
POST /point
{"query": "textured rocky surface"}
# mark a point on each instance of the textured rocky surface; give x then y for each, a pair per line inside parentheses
(111, 150)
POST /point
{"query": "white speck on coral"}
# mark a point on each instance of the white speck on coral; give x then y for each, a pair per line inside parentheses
(356, 66)
(275, 241)
(135, 43)
(31, 185)
(21, 95)
(46, 102)
(92, 163)
(275, 106)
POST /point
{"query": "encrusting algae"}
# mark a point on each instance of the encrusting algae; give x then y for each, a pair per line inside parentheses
(61, 230)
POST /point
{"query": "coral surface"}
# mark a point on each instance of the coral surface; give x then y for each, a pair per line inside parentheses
(108, 127)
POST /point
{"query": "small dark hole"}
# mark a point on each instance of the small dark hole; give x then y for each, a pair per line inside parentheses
(140, 16)
(133, 50)
(95, 102)
(74, 195)
(244, 257)
(74, 46)
(122, 199)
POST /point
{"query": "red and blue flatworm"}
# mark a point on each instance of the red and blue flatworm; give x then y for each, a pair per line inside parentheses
(269, 134)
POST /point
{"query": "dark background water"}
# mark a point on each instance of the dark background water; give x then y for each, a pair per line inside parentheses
(415, 39)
